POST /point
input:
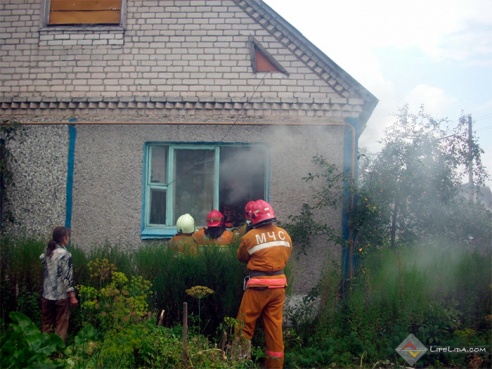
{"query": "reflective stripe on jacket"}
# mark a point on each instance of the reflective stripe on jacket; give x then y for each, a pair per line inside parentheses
(266, 249)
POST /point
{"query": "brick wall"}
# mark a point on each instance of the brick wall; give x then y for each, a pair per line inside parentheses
(183, 66)
(190, 49)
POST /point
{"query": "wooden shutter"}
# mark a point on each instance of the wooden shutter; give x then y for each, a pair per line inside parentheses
(85, 12)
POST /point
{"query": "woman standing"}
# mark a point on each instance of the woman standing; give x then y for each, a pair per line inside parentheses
(58, 290)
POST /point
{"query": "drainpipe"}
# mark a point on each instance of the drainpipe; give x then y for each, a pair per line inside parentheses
(72, 135)
(350, 169)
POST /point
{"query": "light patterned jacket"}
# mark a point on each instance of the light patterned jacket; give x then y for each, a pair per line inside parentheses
(58, 274)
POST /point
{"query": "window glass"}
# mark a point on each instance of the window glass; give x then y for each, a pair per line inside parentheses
(157, 207)
(158, 164)
(194, 184)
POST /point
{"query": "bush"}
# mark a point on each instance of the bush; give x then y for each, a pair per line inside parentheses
(171, 274)
(439, 292)
(24, 346)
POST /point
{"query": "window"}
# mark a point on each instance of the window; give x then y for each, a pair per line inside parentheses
(85, 12)
(194, 179)
(261, 60)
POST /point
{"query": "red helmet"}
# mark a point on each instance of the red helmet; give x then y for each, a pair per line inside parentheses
(248, 209)
(214, 219)
(262, 213)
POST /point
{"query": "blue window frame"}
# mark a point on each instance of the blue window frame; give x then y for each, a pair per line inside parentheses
(196, 178)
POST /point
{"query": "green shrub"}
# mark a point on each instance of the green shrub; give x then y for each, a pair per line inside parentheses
(21, 274)
(437, 291)
(171, 274)
(118, 302)
(24, 346)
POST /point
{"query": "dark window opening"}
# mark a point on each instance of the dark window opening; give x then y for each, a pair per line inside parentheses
(242, 178)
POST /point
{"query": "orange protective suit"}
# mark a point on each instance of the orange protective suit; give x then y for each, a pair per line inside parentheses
(266, 250)
(241, 231)
(184, 243)
(201, 238)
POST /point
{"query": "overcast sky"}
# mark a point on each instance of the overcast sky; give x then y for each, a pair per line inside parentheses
(434, 52)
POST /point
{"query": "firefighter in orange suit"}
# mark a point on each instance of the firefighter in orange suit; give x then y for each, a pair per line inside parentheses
(215, 232)
(266, 249)
(248, 209)
(183, 241)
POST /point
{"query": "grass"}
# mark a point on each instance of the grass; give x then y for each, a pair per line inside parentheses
(437, 291)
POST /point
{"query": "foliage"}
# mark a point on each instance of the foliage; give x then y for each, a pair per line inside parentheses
(302, 228)
(172, 274)
(438, 291)
(24, 346)
(328, 185)
(199, 292)
(116, 304)
(140, 345)
(21, 274)
(169, 273)
(434, 281)
(133, 346)
(412, 188)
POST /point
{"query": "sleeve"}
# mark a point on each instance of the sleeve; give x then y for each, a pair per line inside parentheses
(66, 272)
(226, 238)
(42, 258)
(242, 251)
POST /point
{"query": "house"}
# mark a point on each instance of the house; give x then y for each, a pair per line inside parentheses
(137, 111)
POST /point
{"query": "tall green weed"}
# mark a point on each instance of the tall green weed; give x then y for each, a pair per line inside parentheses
(438, 291)
(172, 273)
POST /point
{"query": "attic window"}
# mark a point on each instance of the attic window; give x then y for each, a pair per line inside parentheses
(262, 61)
(85, 12)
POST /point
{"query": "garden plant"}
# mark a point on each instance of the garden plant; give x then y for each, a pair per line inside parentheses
(420, 260)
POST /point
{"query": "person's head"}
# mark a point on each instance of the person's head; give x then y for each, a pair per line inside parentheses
(185, 224)
(60, 236)
(215, 219)
(262, 214)
(248, 210)
(215, 224)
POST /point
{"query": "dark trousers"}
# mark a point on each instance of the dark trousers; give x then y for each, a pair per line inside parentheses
(55, 316)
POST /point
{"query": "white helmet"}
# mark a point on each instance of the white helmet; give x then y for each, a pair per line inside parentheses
(185, 224)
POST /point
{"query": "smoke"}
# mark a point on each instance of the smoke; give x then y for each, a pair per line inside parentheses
(242, 173)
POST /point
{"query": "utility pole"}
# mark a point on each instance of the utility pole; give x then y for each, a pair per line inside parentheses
(470, 157)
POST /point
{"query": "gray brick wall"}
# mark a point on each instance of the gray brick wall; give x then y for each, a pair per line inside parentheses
(36, 202)
(174, 70)
(179, 48)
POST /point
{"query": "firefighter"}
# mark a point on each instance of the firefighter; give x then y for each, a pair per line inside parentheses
(248, 209)
(215, 232)
(183, 241)
(265, 249)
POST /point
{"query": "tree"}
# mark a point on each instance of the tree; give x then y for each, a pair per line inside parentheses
(412, 188)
